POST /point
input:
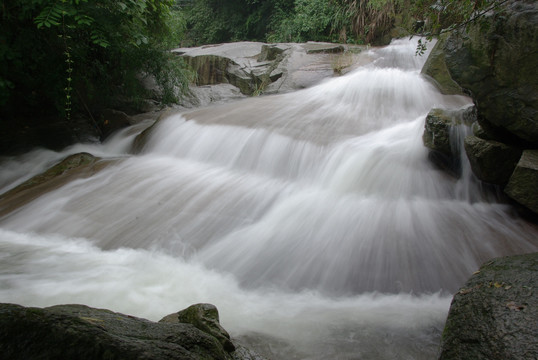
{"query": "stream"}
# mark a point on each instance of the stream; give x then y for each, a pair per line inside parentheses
(313, 220)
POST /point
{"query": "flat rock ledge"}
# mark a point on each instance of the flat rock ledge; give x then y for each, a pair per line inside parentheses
(81, 332)
(494, 316)
(234, 70)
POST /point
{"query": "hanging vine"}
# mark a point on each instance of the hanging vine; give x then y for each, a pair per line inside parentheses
(69, 64)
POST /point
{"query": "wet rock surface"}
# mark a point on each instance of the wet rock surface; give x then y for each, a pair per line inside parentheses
(82, 332)
(494, 315)
(440, 136)
(72, 167)
(494, 61)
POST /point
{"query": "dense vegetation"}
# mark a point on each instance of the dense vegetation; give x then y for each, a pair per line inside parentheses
(59, 58)
(356, 21)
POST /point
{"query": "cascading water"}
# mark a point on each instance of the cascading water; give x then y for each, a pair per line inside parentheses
(312, 220)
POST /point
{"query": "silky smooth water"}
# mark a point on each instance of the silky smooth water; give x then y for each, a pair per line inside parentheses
(313, 220)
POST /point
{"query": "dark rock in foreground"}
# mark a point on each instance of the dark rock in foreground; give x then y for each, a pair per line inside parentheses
(80, 332)
(494, 316)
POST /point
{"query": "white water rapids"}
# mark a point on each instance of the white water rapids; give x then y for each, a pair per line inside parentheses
(312, 220)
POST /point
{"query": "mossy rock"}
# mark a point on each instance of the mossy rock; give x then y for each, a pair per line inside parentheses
(439, 133)
(206, 318)
(84, 333)
(435, 68)
(494, 59)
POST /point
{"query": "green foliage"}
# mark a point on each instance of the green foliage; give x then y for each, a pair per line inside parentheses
(358, 21)
(370, 20)
(69, 55)
(445, 15)
(214, 21)
(62, 56)
(310, 20)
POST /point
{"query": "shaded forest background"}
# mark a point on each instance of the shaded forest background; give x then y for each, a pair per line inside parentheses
(60, 59)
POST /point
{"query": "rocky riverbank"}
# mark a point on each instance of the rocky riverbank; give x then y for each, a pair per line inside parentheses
(494, 61)
(493, 316)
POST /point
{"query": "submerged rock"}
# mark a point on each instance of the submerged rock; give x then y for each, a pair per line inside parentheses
(80, 332)
(72, 167)
(494, 316)
(523, 184)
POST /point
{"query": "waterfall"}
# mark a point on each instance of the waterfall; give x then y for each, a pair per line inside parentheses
(313, 220)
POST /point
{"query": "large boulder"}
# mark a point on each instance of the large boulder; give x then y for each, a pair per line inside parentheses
(81, 332)
(492, 162)
(495, 60)
(494, 316)
(435, 68)
(523, 184)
